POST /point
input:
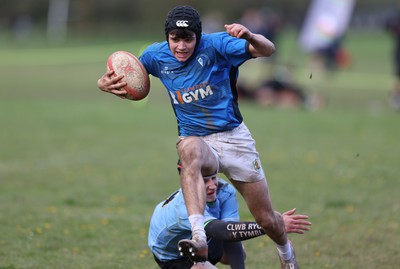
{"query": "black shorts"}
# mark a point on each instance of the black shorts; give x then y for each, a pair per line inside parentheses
(215, 251)
(184, 263)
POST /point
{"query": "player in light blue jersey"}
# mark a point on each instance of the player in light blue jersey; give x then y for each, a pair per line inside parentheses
(170, 224)
(199, 72)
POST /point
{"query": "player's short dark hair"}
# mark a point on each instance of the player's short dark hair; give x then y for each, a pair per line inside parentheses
(182, 33)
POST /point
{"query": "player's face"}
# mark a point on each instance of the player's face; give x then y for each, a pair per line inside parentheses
(211, 188)
(182, 47)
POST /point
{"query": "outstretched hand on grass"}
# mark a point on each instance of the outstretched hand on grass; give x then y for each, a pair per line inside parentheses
(295, 223)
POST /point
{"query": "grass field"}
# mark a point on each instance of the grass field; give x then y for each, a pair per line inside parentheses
(80, 170)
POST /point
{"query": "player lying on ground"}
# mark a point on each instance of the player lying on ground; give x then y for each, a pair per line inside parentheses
(170, 224)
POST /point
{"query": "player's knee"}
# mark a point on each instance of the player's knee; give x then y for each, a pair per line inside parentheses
(195, 155)
(189, 148)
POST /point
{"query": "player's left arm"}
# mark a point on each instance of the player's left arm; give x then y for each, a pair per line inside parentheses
(233, 230)
(244, 230)
(259, 46)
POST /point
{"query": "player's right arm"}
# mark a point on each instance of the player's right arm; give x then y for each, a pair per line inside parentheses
(112, 84)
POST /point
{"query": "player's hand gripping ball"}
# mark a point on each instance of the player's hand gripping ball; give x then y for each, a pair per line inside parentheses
(135, 75)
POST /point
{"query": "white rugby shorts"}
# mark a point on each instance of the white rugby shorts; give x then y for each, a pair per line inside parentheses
(237, 155)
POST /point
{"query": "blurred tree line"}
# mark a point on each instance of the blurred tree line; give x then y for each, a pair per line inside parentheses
(137, 18)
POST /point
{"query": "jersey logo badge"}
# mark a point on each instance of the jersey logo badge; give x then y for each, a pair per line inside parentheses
(203, 60)
(200, 60)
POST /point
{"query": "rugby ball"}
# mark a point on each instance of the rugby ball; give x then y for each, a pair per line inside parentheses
(135, 75)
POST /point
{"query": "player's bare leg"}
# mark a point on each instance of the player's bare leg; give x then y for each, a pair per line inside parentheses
(256, 195)
(197, 161)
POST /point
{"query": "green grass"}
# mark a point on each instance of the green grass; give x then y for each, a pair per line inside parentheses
(80, 171)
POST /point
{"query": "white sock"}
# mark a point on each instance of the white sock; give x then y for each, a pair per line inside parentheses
(285, 251)
(197, 224)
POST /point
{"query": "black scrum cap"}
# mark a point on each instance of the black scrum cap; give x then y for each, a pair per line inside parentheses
(184, 17)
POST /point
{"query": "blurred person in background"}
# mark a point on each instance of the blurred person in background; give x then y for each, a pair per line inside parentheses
(322, 34)
(278, 90)
(266, 22)
(393, 27)
(170, 223)
(333, 56)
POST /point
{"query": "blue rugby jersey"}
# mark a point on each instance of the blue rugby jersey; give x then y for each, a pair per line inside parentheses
(202, 89)
(170, 221)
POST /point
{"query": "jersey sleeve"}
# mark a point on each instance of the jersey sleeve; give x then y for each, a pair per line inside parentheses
(229, 204)
(233, 230)
(235, 50)
(147, 59)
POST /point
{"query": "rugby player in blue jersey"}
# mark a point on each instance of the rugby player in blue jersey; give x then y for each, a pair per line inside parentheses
(199, 72)
(170, 224)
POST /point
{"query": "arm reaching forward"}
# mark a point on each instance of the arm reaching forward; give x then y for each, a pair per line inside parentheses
(244, 230)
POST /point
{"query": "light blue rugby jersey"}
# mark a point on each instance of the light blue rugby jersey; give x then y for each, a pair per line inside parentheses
(203, 89)
(170, 220)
